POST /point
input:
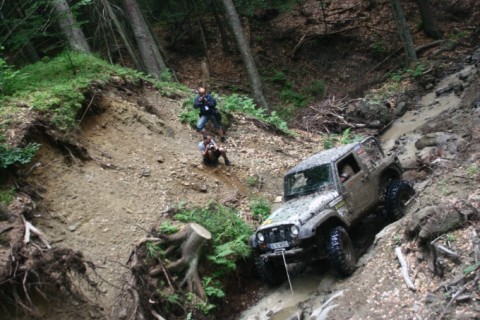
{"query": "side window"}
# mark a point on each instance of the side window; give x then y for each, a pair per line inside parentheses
(347, 168)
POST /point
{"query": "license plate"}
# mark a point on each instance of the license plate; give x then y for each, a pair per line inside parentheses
(278, 245)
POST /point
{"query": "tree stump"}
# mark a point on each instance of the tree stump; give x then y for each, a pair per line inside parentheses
(189, 242)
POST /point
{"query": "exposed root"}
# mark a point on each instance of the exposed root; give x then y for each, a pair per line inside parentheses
(29, 228)
(29, 269)
(150, 280)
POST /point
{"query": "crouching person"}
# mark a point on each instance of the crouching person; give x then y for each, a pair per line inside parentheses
(211, 152)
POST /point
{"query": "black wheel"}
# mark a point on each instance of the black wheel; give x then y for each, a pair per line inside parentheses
(396, 197)
(269, 272)
(340, 251)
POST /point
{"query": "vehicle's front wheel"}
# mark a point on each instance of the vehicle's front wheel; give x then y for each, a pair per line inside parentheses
(341, 252)
(269, 272)
(396, 197)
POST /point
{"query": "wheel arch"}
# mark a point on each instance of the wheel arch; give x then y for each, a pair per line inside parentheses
(388, 175)
(330, 223)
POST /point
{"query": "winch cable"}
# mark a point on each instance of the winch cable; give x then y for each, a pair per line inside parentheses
(286, 270)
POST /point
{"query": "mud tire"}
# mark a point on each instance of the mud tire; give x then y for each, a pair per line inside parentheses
(341, 252)
(269, 273)
(396, 196)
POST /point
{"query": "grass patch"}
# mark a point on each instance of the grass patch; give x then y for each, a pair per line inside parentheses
(7, 195)
(252, 181)
(260, 207)
(55, 87)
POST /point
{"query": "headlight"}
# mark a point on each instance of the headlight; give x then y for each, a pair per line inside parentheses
(294, 231)
(260, 237)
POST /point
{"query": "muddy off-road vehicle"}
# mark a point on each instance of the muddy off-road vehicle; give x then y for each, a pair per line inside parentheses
(325, 196)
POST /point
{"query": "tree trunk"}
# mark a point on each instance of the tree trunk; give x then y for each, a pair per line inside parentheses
(123, 34)
(221, 29)
(189, 242)
(149, 52)
(69, 26)
(255, 81)
(428, 22)
(403, 31)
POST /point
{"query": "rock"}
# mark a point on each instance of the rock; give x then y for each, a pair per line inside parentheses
(160, 160)
(72, 227)
(464, 75)
(401, 109)
(449, 141)
(431, 221)
(368, 110)
(145, 172)
(203, 188)
(458, 88)
(444, 90)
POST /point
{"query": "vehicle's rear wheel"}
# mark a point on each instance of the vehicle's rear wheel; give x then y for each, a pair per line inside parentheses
(269, 272)
(396, 197)
(341, 252)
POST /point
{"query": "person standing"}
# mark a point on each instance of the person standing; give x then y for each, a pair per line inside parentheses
(208, 112)
(211, 152)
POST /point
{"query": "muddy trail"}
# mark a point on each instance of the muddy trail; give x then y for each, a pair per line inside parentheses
(143, 162)
(443, 117)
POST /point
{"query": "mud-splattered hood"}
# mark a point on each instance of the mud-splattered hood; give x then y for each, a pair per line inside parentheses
(300, 210)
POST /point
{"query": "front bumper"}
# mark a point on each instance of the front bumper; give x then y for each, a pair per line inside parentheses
(279, 253)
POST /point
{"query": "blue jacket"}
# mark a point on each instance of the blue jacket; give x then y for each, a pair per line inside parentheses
(206, 106)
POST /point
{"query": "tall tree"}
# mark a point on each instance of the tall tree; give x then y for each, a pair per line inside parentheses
(247, 58)
(69, 26)
(122, 32)
(429, 24)
(27, 50)
(403, 30)
(148, 48)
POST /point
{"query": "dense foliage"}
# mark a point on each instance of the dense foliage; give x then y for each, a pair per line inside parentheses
(229, 232)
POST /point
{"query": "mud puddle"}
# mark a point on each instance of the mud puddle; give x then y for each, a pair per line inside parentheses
(429, 107)
(282, 301)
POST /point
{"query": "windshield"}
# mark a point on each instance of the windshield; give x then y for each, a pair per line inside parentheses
(308, 181)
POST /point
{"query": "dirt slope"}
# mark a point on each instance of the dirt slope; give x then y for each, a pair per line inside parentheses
(142, 164)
